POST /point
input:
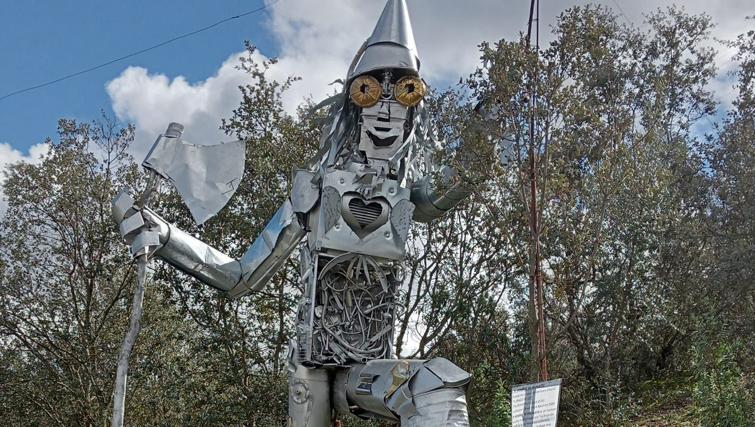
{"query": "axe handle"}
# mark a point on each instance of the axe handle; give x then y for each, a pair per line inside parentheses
(140, 204)
(174, 130)
(152, 182)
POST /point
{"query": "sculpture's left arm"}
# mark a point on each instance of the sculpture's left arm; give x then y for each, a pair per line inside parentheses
(437, 194)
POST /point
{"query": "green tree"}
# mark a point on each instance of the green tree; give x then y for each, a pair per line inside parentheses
(623, 191)
(647, 241)
(66, 282)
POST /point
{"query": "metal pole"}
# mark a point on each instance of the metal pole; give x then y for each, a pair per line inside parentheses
(121, 375)
(537, 287)
(119, 394)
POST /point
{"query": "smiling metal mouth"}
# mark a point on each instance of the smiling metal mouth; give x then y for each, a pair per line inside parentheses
(382, 142)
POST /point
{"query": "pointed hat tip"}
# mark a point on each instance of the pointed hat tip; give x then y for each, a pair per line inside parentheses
(394, 26)
(391, 44)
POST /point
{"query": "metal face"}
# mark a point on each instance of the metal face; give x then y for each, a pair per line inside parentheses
(383, 129)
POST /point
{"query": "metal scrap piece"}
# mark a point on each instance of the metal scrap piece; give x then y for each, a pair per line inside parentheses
(206, 176)
(401, 219)
(400, 373)
(131, 225)
(120, 206)
(305, 191)
(144, 240)
(331, 206)
(450, 374)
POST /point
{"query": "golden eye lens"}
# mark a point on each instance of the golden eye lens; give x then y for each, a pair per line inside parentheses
(365, 91)
(410, 90)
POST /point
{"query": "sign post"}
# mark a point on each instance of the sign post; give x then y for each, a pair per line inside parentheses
(535, 405)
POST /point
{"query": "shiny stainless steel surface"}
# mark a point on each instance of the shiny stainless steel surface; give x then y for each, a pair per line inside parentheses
(206, 176)
(353, 204)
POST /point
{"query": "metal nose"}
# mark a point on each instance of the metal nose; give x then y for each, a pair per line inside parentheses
(384, 112)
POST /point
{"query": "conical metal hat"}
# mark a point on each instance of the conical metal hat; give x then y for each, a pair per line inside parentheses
(391, 44)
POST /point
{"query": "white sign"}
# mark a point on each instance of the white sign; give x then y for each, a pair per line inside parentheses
(535, 405)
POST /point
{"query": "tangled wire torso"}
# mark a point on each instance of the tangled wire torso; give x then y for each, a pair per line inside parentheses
(354, 311)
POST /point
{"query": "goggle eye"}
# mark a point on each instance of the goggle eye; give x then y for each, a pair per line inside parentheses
(365, 91)
(410, 90)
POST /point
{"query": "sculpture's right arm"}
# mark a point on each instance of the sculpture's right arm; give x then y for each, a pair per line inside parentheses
(196, 258)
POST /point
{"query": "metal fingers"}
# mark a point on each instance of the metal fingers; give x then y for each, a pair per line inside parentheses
(121, 205)
(135, 225)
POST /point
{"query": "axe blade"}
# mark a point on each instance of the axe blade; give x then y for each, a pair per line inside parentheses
(206, 176)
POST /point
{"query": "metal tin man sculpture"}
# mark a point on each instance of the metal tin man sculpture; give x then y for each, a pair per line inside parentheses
(353, 209)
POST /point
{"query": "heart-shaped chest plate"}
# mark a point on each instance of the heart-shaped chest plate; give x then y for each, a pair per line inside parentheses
(362, 216)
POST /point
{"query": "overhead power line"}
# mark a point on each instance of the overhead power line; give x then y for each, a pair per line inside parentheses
(621, 11)
(138, 52)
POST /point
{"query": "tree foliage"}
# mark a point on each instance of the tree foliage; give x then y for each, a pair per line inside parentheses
(646, 202)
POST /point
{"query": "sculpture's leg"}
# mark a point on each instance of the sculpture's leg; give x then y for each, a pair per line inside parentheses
(418, 393)
(309, 402)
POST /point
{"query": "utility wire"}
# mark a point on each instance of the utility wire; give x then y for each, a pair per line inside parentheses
(621, 11)
(139, 52)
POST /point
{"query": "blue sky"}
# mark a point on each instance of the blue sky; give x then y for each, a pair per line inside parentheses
(193, 80)
(42, 40)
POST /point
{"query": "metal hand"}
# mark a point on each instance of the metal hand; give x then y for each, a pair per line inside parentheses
(141, 234)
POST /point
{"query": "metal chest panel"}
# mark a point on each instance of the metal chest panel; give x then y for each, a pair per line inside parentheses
(333, 221)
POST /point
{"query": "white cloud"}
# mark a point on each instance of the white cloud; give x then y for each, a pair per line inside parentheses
(318, 40)
(9, 156)
(729, 19)
(316, 45)
(151, 101)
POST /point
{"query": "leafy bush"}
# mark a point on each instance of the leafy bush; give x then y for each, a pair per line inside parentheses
(721, 397)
